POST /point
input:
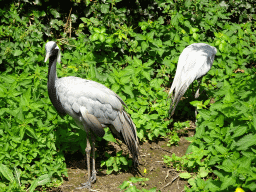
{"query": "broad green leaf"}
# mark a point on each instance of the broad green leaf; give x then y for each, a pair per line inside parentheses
(146, 75)
(105, 8)
(220, 120)
(150, 36)
(228, 182)
(101, 37)
(20, 115)
(95, 37)
(160, 51)
(109, 137)
(245, 142)
(42, 180)
(31, 132)
(124, 160)
(110, 40)
(102, 30)
(187, 3)
(203, 172)
(140, 37)
(17, 53)
(185, 175)
(128, 90)
(137, 61)
(125, 80)
(6, 172)
(144, 45)
(115, 87)
(221, 149)
(97, 30)
(238, 131)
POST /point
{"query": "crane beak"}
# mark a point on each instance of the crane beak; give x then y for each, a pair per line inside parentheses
(47, 56)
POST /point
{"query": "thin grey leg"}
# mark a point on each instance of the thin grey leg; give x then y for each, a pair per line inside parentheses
(197, 94)
(93, 177)
(88, 152)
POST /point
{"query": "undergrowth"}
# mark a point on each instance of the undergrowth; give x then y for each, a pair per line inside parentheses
(132, 48)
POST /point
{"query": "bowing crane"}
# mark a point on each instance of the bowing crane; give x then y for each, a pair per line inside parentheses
(194, 62)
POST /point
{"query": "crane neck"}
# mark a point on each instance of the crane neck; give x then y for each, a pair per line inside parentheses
(52, 92)
(52, 74)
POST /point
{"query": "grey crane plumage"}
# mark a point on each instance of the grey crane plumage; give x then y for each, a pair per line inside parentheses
(93, 107)
(194, 62)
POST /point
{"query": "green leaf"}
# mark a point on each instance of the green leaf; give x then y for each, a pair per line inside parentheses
(185, 175)
(109, 137)
(115, 87)
(20, 115)
(42, 180)
(146, 75)
(105, 8)
(102, 30)
(17, 53)
(238, 131)
(124, 160)
(31, 133)
(203, 172)
(150, 36)
(6, 172)
(220, 120)
(125, 80)
(221, 149)
(110, 40)
(188, 3)
(128, 90)
(97, 30)
(101, 37)
(95, 37)
(245, 142)
(140, 37)
(228, 181)
(144, 45)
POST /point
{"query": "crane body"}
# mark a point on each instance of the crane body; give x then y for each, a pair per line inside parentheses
(93, 107)
(194, 62)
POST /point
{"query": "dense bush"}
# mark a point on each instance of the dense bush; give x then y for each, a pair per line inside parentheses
(133, 48)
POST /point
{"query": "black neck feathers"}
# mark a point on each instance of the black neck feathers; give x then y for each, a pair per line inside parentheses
(52, 77)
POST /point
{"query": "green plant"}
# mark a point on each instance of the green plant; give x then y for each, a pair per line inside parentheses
(225, 139)
(115, 163)
(15, 183)
(129, 186)
(133, 49)
(176, 131)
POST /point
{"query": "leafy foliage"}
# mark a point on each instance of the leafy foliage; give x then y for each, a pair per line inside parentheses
(133, 48)
(129, 186)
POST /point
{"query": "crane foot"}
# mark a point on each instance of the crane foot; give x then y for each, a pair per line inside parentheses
(86, 185)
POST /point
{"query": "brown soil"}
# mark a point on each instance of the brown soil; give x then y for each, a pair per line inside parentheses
(151, 158)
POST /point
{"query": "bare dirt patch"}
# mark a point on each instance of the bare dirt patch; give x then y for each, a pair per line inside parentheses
(151, 158)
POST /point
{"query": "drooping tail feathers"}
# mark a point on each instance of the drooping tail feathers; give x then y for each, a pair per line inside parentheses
(130, 138)
(124, 129)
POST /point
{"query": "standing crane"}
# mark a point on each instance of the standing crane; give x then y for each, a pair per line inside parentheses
(194, 62)
(93, 107)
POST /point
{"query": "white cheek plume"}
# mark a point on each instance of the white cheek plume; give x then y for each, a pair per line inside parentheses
(59, 57)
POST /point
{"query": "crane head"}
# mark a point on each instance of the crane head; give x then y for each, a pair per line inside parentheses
(51, 47)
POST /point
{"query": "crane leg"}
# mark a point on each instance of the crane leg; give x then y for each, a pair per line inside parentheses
(93, 177)
(88, 152)
(197, 94)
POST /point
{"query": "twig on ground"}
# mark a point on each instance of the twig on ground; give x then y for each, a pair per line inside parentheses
(170, 182)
